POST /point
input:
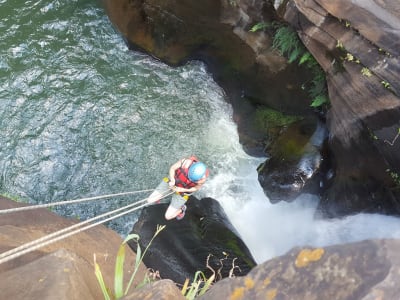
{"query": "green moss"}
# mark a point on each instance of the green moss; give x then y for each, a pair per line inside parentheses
(233, 246)
(291, 143)
(12, 197)
(268, 119)
(290, 147)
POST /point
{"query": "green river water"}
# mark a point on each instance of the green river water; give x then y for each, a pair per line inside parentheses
(82, 116)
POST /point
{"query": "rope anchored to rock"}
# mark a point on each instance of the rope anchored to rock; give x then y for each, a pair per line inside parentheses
(16, 209)
(69, 231)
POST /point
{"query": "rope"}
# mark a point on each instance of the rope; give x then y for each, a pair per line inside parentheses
(48, 239)
(16, 209)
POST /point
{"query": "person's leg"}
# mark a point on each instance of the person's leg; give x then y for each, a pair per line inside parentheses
(160, 191)
(175, 207)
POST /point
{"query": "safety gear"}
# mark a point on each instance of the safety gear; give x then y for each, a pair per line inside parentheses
(196, 171)
(182, 174)
(182, 179)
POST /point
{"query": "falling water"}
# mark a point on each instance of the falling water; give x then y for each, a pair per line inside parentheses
(81, 115)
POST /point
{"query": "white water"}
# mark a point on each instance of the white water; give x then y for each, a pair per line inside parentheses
(83, 116)
(270, 230)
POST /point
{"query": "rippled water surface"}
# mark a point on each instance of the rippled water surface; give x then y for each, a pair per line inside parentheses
(81, 115)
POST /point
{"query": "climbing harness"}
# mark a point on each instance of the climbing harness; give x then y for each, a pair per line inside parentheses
(66, 232)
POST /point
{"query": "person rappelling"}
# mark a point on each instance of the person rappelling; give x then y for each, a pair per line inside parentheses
(185, 177)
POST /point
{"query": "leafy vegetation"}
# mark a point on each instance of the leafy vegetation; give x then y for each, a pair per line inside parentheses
(395, 176)
(201, 283)
(198, 287)
(287, 42)
(119, 291)
(385, 84)
(269, 118)
(366, 72)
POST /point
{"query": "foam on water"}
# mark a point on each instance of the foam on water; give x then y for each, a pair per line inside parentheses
(81, 115)
(270, 230)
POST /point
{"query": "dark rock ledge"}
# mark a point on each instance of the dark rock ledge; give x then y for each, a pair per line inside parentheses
(355, 43)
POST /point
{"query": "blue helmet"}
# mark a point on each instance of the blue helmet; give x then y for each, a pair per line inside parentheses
(197, 171)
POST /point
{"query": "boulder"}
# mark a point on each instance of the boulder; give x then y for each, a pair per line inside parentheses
(359, 271)
(60, 270)
(159, 290)
(356, 43)
(57, 275)
(295, 162)
(217, 33)
(203, 237)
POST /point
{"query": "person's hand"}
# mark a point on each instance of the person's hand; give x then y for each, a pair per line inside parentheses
(171, 183)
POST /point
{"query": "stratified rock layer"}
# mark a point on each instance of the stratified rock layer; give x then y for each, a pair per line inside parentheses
(357, 45)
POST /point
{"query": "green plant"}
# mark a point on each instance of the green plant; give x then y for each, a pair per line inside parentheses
(349, 57)
(119, 291)
(366, 72)
(201, 283)
(395, 176)
(385, 84)
(198, 287)
(269, 118)
(339, 45)
(287, 42)
(319, 100)
(259, 26)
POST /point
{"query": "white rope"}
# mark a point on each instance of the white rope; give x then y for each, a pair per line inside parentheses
(63, 233)
(16, 209)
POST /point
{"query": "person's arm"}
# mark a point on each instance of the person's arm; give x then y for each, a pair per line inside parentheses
(172, 170)
(192, 189)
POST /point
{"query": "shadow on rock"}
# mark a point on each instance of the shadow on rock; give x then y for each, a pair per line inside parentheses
(203, 240)
(295, 163)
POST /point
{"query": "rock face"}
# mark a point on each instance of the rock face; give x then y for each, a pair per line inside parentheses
(216, 32)
(57, 275)
(357, 45)
(62, 270)
(184, 246)
(295, 163)
(360, 271)
(160, 290)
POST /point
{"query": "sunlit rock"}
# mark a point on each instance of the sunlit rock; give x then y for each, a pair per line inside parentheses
(363, 270)
(60, 270)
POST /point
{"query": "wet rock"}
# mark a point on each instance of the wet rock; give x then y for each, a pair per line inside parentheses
(217, 33)
(185, 246)
(295, 162)
(363, 270)
(356, 43)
